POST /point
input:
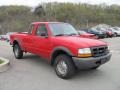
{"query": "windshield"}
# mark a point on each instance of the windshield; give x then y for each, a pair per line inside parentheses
(60, 29)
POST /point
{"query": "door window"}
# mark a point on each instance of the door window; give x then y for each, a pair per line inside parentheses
(41, 30)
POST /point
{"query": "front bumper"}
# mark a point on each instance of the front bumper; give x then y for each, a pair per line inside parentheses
(86, 63)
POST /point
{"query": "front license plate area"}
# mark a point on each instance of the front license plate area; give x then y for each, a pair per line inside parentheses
(101, 61)
(98, 62)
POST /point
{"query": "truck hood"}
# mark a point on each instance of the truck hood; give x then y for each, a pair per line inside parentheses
(77, 42)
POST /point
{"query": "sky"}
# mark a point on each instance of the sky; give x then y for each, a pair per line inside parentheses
(37, 2)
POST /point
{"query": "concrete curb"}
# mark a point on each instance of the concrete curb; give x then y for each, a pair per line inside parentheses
(5, 65)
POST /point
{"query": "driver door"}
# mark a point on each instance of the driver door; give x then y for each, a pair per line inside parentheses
(42, 42)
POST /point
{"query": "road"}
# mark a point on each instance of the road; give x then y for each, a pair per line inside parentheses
(34, 73)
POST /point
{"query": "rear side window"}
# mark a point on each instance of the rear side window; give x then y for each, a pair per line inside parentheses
(30, 29)
(41, 29)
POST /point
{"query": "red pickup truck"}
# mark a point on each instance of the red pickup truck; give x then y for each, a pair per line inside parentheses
(60, 44)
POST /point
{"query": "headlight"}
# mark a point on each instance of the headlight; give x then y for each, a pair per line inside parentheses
(85, 52)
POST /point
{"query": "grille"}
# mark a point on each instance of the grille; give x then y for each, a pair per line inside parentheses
(99, 51)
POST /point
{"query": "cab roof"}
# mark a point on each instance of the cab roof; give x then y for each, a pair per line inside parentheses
(44, 22)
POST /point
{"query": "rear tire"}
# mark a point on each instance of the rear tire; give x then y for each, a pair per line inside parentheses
(17, 51)
(64, 67)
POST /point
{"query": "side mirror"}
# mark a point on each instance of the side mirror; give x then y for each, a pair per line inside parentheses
(43, 34)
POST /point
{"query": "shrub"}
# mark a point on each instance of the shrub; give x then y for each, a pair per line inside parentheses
(1, 61)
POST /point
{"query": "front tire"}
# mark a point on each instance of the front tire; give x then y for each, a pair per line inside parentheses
(17, 51)
(64, 67)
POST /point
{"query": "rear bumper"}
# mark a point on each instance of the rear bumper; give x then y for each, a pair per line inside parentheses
(85, 63)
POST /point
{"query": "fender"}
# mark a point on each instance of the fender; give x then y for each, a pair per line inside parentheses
(18, 41)
(59, 48)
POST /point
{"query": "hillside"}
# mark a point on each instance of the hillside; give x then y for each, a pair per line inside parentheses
(18, 18)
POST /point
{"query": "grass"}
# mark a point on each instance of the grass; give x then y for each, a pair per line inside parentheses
(1, 61)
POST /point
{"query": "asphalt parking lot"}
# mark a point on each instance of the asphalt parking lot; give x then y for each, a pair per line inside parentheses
(34, 73)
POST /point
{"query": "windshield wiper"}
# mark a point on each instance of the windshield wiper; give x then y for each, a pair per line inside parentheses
(72, 34)
(61, 34)
(66, 34)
